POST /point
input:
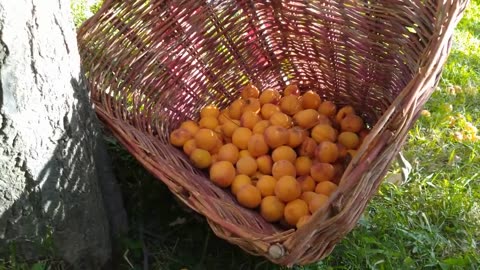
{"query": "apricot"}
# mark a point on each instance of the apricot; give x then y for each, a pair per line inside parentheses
(269, 95)
(190, 126)
(310, 100)
(306, 183)
(295, 210)
(307, 196)
(266, 185)
(229, 127)
(249, 196)
(352, 123)
(209, 122)
(349, 139)
(180, 136)
(252, 105)
(257, 145)
(224, 117)
(235, 109)
(290, 104)
(287, 188)
(250, 91)
(264, 164)
(217, 147)
(283, 168)
(296, 136)
(317, 202)
(206, 139)
(239, 181)
(260, 127)
(307, 148)
(246, 165)
(268, 110)
(322, 171)
(324, 120)
(209, 111)
(327, 108)
(306, 118)
(303, 165)
(326, 188)
(271, 209)
(324, 133)
(222, 173)
(241, 136)
(291, 89)
(201, 158)
(343, 112)
(276, 136)
(189, 146)
(244, 153)
(326, 152)
(284, 153)
(281, 119)
(228, 152)
(249, 119)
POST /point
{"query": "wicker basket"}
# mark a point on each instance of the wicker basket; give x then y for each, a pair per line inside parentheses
(153, 64)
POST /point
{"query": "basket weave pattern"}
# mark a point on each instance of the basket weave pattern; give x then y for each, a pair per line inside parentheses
(153, 64)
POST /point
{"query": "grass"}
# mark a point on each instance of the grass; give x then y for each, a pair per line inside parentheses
(429, 222)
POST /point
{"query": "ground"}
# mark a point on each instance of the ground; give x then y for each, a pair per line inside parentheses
(429, 222)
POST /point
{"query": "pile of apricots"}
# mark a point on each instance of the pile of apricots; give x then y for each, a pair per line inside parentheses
(280, 153)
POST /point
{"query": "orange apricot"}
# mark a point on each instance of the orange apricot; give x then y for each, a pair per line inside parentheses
(179, 137)
(250, 91)
(269, 95)
(201, 158)
(310, 100)
(271, 209)
(327, 108)
(307, 118)
(266, 185)
(241, 136)
(326, 188)
(284, 152)
(239, 181)
(257, 145)
(228, 152)
(324, 133)
(322, 171)
(246, 165)
(264, 164)
(281, 119)
(287, 189)
(296, 136)
(268, 110)
(249, 196)
(326, 152)
(222, 173)
(206, 139)
(349, 139)
(303, 165)
(295, 210)
(276, 136)
(290, 104)
(283, 168)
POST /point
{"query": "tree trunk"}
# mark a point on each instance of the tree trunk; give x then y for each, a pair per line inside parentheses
(53, 167)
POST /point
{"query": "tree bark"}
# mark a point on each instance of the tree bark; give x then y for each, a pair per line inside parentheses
(53, 165)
